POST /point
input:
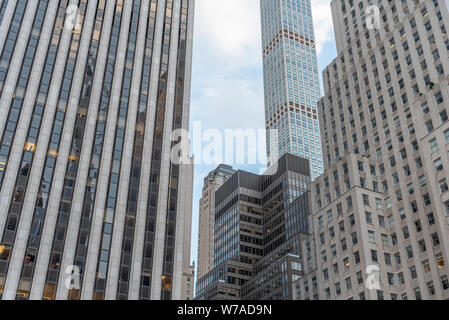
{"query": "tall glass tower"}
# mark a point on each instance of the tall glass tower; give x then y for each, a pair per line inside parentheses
(91, 207)
(291, 81)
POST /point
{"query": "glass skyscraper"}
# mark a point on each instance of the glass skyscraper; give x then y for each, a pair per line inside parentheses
(291, 81)
(91, 207)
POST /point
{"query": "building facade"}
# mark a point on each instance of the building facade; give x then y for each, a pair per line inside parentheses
(188, 283)
(214, 180)
(259, 220)
(291, 81)
(91, 207)
(381, 210)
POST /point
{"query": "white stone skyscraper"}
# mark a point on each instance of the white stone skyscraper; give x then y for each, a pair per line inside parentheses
(380, 221)
(90, 94)
(291, 81)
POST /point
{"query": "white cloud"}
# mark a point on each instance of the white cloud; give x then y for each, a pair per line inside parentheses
(230, 27)
(322, 19)
(227, 83)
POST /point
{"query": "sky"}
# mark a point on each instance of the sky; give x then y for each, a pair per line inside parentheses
(227, 78)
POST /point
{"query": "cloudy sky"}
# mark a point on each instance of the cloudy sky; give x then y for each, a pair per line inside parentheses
(227, 79)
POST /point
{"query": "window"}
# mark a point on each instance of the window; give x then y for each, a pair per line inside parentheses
(356, 257)
(352, 219)
(397, 258)
(422, 245)
(390, 221)
(387, 259)
(337, 289)
(394, 239)
(430, 219)
(382, 221)
(5, 251)
(418, 226)
(426, 266)
(374, 257)
(380, 295)
(354, 238)
(444, 282)
(413, 272)
(390, 279)
(346, 263)
(435, 239)
(422, 181)
(439, 98)
(335, 266)
(369, 217)
(359, 277)
(426, 199)
(348, 283)
(372, 237)
(418, 294)
(344, 246)
(405, 232)
(401, 279)
(365, 199)
(385, 240)
(409, 252)
(431, 288)
(334, 250)
(331, 232)
(433, 145)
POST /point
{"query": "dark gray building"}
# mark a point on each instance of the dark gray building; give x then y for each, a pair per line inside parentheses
(259, 222)
(90, 94)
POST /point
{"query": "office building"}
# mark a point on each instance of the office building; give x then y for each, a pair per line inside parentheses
(214, 180)
(91, 207)
(188, 283)
(259, 221)
(291, 81)
(379, 228)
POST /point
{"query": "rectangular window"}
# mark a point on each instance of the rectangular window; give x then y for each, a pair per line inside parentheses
(433, 145)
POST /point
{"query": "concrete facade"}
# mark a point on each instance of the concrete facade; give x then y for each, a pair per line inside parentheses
(92, 207)
(379, 228)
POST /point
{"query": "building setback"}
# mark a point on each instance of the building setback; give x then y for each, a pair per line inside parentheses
(379, 228)
(291, 81)
(90, 93)
(259, 221)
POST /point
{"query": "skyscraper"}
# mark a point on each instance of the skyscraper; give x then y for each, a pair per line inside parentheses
(291, 81)
(214, 180)
(260, 221)
(90, 93)
(381, 209)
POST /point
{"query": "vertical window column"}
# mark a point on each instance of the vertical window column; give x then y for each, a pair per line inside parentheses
(111, 200)
(97, 148)
(160, 166)
(21, 86)
(59, 235)
(136, 163)
(41, 205)
(10, 43)
(13, 214)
